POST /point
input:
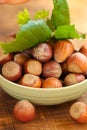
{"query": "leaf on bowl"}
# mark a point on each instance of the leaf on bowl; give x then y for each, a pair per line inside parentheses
(60, 13)
(23, 17)
(30, 34)
(67, 32)
(42, 14)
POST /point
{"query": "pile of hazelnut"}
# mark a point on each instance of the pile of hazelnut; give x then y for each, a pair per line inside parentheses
(47, 65)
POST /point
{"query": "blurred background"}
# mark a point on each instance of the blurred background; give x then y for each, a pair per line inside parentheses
(8, 14)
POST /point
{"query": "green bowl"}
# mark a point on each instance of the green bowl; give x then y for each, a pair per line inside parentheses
(43, 96)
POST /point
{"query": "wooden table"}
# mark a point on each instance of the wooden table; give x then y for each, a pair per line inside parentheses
(47, 117)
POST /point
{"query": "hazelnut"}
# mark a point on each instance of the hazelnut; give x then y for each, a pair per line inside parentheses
(51, 69)
(73, 78)
(11, 71)
(30, 80)
(78, 112)
(33, 66)
(20, 58)
(62, 50)
(5, 57)
(77, 63)
(52, 82)
(42, 52)
(83, 50)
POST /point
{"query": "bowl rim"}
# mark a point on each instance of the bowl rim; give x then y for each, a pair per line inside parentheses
(42, 89)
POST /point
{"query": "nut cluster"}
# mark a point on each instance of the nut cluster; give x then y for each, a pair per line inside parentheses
(47, 65)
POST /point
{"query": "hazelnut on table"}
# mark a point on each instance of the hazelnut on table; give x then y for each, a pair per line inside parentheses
(78, 112)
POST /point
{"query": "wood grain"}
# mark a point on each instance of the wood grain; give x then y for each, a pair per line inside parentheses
(47, 117)
(54, 117)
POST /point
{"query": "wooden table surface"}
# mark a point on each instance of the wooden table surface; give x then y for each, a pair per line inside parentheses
(47, 117)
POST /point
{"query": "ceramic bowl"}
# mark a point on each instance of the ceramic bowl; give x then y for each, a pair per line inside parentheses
(43, 96)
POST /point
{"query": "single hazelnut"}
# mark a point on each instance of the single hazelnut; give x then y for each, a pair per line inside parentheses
(42, 52)
(33, 66)
(20, 58)
(62, 50)
(77, 63)
(78, 112)
(51, 69)
(11, 71)
(52, 82)
(73, 78)
(30, 80)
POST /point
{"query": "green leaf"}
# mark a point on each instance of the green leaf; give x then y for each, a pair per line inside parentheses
(67, 32)
(50, 24)
(30, 34)
(42, 14)
(23, 17)
(60, 13)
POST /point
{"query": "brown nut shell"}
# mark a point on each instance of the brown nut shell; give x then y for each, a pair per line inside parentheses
(73, 78)
(52, 82)
(33, 66)
(83, 50)
(51, 69)
(78, 112)
(30, 80)
(42, 52)
(11, 71)
(5, 57)
(77, 63)
(20, 58)
(62, 50)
